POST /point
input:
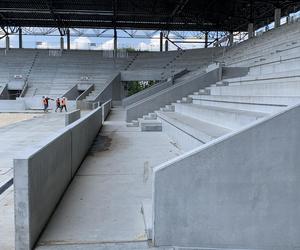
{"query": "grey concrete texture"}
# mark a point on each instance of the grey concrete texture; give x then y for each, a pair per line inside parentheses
(146, 93)
(72, 117)
(238, 191)
(106, 108)
(40, 178)
(232, 72)
(72, 93)
(86, 92)
(11, 105)
(84, 132)
(42, 174)
(169, 95)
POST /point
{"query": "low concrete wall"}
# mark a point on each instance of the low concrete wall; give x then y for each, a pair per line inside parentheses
(170, 95)
(4, 93)
(72, 117)
(84, 131)
(42, 174)
(239, 191)
(86, 92)
(141, 75)
(12, 105)
(146, 93)
(106, 107)
(71, 93)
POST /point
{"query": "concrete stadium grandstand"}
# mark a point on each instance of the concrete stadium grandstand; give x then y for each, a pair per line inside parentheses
(149, 125)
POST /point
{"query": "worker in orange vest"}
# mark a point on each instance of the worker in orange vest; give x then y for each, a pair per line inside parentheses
(46, 102)
(63, 104)
(57, 104)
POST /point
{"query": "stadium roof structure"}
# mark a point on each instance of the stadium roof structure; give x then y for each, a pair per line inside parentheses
(188, 15)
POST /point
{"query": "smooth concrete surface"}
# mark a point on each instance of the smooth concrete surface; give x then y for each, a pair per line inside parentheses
(146, 93)
(14, 139)
(102, 206)
(40, 178)
(43, 172)
(10, 105)
(238, 191)
(169, 95)
(106, 108)
(72, 117)
(83, 133)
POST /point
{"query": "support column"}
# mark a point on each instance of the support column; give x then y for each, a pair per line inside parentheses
(161, 42)
(115, 42)
(61, 43)
(230, 38)
(217, 40)
(277, 17)
(68, 40)
(206, 39)
(166, 45)
(20, 38)
(7, 43)
(250, 30)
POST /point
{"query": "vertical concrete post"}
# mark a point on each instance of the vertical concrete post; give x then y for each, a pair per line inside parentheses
(115, 42)
(61, 43)
(230, 38)
(166, 45)
(20, 38)
(217, 40)
(250, 30)
(68, 40)
(161, 42)
(277, 17)
(206, 39)
(7, 43)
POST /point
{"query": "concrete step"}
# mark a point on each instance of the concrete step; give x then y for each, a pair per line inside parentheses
(150, 125)
(228, 118)
(188, 132)
(248, 103)
(133, 123)
(267, 89)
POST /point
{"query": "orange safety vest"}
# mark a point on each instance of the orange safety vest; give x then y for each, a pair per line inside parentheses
(45, 101)
(63, 102)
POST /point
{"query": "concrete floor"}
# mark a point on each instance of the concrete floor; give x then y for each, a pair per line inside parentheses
(14, 138)
(102, 207)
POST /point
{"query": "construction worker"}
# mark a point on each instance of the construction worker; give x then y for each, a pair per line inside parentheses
(46, 102)
(63, 104)
(57, 101)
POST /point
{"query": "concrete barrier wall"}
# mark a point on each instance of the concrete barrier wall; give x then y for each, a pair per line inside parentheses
(42, 174)
(239, 191)
(12, 105)
(170, 95)
(72, 117)
(72, 93)
(4, 93)
(146, 93)
(106, 107)
(83, 132)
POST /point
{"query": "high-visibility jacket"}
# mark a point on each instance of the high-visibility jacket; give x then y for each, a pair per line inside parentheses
(63, 102)
(45, 101)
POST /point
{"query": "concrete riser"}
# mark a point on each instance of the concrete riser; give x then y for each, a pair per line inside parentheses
(229, 120)
(183, 140)
(288, 89)
(240, 106)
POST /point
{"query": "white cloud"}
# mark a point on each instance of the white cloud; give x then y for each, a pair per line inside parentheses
(108, 45)
(81, 42)
(154, 44)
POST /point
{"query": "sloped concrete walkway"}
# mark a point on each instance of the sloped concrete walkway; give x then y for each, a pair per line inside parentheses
(102, 207)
